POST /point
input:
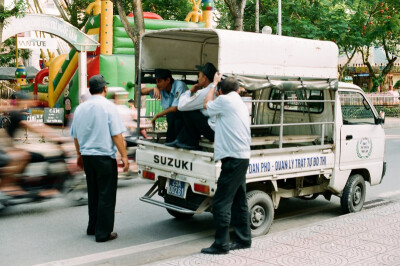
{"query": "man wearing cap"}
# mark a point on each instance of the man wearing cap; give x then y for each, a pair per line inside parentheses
(171, 90)
(195, 117)
(97, 130)
(232, 147)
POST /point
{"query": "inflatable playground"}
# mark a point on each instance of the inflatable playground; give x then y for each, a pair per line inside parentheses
(56, 85)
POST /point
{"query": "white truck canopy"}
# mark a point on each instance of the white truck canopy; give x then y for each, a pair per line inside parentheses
(239, 53)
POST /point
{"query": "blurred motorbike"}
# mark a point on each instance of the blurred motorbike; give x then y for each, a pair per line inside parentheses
(55, 170)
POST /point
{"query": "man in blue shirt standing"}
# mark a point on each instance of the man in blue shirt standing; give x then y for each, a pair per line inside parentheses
(97, 130)
(171, 90)
(232, 147)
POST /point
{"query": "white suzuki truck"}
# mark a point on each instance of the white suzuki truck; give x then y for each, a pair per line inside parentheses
(311, 135)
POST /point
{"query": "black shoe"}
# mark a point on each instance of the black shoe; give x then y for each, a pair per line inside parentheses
(213, 250)
(171, 144)
(187, 147)
(237, 245)
(112, 236)
(90, 232)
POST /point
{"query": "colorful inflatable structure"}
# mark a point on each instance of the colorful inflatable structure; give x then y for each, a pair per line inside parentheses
(114, 58)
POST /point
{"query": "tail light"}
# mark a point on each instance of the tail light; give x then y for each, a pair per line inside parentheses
(149, 175)
(202, 188)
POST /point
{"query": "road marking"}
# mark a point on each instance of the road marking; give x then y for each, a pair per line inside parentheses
(129, 250)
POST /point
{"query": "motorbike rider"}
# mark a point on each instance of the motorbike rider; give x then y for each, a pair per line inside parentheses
(15, 159)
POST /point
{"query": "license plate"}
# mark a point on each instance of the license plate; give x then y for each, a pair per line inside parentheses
(176, 188)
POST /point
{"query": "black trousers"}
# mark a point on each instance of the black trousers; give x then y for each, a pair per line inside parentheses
(175, 125)
(101, 177)
(195, 125)
(230, 203)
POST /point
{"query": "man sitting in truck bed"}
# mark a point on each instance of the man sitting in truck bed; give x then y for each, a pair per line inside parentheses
(195, 117)
(171, 90)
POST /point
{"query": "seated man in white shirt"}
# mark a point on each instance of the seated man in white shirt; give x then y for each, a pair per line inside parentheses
(195, 118)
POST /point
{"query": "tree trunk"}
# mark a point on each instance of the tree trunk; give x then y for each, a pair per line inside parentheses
(236, 8)
(257, 17)
(135, 33)
(343, 68)
(390, 63)
(365, 58)
(1, 21)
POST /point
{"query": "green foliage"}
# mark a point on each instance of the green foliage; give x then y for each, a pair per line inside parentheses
(397, 84)
(223, 17)
(167, 9)
(7, 49)
(20, 6)
(7, 52)
(76, 10)
(393, 111)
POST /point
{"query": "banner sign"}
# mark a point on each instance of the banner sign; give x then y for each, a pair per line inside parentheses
(37, 43)
(54, 115)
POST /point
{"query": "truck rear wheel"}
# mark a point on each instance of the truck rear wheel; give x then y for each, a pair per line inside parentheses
(179, 215)
(353, 196)
(261, 212)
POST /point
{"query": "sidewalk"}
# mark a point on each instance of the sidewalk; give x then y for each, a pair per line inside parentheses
(369, 237)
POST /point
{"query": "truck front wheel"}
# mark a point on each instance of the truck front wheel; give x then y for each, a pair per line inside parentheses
(261, 212)
(353, 196)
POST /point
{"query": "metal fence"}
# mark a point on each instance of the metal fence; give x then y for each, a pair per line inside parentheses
(379, 99)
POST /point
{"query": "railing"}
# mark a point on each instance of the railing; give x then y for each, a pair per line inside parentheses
(382, 99)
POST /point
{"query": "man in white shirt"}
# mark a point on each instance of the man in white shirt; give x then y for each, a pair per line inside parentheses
(195, 118)
(232, 147)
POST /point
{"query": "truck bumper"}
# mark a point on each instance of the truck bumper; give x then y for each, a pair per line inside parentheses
(154, 189)
(166, 205)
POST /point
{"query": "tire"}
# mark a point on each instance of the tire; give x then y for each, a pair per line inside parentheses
(353, 196)
(5, 123)
(179, 215)
(261, 212)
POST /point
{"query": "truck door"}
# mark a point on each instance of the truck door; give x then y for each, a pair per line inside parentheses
(362, 142)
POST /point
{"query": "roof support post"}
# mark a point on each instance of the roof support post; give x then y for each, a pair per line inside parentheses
(82, 72)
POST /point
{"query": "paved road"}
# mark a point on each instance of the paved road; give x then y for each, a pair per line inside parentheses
(54, 231)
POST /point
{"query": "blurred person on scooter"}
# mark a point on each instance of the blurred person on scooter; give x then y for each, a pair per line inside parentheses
(12, 168)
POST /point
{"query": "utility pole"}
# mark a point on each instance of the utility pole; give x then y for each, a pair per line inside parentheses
(257, 15)
(279, 31)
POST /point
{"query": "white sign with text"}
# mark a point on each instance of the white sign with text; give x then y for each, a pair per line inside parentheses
(37, 43)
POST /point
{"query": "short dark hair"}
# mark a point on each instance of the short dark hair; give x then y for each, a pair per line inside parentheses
(229, 84)
(131, 101)
(160, 73)
(97, 84)
(208, 70)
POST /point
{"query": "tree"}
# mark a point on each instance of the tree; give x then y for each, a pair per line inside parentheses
(7, 53)
(168, 9)
(76, 11)
(236, 9)
(377, 24)
(20, 6)
(134, 32)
